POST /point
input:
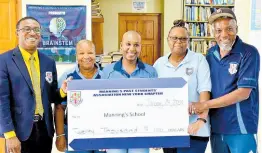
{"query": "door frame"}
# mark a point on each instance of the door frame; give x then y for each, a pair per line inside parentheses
(160, 47)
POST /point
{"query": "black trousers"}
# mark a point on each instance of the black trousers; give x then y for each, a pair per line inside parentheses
(39, 141)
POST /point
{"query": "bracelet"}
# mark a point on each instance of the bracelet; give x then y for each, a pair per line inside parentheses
(60, 135)
(202, 119)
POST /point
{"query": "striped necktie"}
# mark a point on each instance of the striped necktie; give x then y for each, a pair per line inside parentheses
(36, 85)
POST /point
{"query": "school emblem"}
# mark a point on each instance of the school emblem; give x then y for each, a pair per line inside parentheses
(75, 98)
(49, 77)
(189, 71)
(232, 68)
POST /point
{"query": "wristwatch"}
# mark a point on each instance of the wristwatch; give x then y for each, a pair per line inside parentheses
(202, 119)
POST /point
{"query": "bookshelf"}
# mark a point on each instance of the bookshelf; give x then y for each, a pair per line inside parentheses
(195, 14)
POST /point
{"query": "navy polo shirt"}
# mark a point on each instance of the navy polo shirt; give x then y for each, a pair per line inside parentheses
(116, 71)
(238, 69)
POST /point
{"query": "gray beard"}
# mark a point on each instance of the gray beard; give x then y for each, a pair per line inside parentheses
(225, 47)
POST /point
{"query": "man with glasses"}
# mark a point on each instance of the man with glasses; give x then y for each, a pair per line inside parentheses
(234, 106)
(182, 62)
(28, 83)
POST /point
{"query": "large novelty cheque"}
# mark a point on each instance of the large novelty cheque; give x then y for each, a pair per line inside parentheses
(127, 113)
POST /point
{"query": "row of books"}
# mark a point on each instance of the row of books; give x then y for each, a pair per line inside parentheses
(201, 45)
(96, 11)
(198, 13)
(195, 13)
(108, 59)
(214, 2)
(200, 29)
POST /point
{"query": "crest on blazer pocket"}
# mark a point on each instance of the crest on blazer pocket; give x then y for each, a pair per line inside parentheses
(49, 77)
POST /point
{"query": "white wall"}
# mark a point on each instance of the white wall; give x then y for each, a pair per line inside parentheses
(172, 11)
(251, 37)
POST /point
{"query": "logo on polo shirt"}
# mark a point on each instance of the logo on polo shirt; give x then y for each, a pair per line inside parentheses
(232, 68)
(189, 71)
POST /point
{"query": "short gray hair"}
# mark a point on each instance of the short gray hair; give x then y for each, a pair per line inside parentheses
(87, 42)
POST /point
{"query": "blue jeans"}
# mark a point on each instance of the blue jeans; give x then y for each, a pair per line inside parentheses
(143, 150)
(233, 143)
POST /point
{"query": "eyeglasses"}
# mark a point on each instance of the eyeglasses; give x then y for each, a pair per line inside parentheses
(29, 29)
(175, 39)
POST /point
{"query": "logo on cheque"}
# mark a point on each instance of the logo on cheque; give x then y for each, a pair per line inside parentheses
(75, 98)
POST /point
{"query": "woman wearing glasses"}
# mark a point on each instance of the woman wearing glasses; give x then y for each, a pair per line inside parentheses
(181, 62)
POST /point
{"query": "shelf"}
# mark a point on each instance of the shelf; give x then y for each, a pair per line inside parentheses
(209, 5)
(196, 15)
(199, 37)
(197, 21)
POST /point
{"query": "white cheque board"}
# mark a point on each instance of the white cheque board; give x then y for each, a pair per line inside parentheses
(127, 113)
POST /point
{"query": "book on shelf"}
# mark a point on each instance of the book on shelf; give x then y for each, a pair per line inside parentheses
(196, 14)
(96, 11)
(200, 29)
(106, 59)
(201, 45)
(210, 2)
(116, 55)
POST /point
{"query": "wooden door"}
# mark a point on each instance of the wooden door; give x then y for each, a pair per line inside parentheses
(97, 34)
(148, 25)
(10, 12)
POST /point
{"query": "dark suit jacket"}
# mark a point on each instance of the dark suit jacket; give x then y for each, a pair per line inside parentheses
(17, 101)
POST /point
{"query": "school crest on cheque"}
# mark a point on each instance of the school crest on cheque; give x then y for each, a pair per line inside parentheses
(189, 71)
(75, 98)
(232, 68)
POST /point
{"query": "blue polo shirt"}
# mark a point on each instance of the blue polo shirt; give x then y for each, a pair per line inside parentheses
(75, 73)
(238, 69)
(195, 68)
(116, 70)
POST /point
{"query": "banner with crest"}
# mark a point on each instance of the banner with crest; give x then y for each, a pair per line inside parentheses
(61, 28)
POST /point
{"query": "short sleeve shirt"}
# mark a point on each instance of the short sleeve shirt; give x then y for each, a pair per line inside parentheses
(195, 68)
(238, 69)
(116, 70)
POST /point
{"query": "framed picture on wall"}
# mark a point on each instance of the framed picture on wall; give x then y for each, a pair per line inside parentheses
(61, 28)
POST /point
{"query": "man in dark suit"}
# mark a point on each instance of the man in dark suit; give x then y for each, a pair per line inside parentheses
(28, 86)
